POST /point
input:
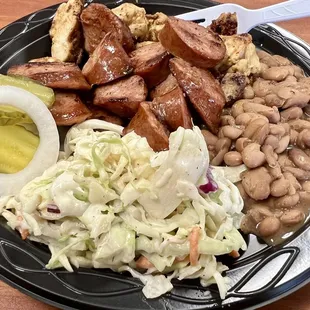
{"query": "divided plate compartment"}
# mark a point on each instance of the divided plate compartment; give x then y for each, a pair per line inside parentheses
(261, 275)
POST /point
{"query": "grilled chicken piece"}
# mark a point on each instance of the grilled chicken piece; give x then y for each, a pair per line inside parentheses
(122, 97)
(145, 124)
(98, 20)
(226, 24)
(152, 63)
(108, 62)
(99, 113)
(171, 109)
(68, 109)
(66, 31)
(233, 85)
(164, 87)
(53, 74)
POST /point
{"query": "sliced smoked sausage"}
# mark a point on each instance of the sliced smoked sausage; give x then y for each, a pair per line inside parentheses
(99, 113)
(196, 44)
(145, 124)
(97, 20)
(152, 63)
(62, 75)
(202, 89)
(68, 109)
(164, 87)
(108, 62)
(122, 97)
(171, 109)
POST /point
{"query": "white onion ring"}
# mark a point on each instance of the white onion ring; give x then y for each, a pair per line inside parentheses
(47, 152)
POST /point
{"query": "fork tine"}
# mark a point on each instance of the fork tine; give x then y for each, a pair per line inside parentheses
(194, 15)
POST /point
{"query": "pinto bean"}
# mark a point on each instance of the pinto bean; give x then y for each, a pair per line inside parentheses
(299, 124)
(292, 217)
(285, 92)
(279, 187)
(227, 120)
(294, 184)
(261, 134)
(272, 100)
(304, 197)
(277, 130)
(271, 156)
(219, 157)
(253, 127)
(299, 174)
(241, 143)
(282, 61)
(286, 127)
(283, 144)
(284, 160)
(259, 212)
(262, 87)
(271, 113)
(276, 73)
(233, 159)
(209, 137)
(248, 92)
(222, 147)
(293, 136)
(291, 79)
(231, 132)
(237, 108)
(303, 139)
(287, 201)
(263, 67)
(273, 141)
(291, 113)
(245, 118)
(256, 183)
(222, 143)
(258, 100)
(252, 156)
(298, 100)
(300, 158)
(272, 60)
(306, 186)
(269, 226)
(275, 172)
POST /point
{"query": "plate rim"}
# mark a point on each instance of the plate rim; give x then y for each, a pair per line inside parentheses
(289, 291)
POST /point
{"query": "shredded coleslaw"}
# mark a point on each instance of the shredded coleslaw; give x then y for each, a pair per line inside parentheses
(112, 202)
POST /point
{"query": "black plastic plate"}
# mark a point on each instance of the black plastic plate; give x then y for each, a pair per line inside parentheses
(261, 275)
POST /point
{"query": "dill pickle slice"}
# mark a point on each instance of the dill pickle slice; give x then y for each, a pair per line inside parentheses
(46, 94)
(17, 148)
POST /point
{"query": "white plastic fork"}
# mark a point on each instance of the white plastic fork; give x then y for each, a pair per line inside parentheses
(248, 19)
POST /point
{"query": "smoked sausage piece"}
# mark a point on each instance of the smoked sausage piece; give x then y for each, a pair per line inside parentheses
(97, 20)
(202, 89)
(171, 109)
(108, 62)
(145, 124)
(122, 97)
(196, 44)
(152, 63)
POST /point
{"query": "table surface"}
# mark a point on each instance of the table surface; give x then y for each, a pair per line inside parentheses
(10, 298)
